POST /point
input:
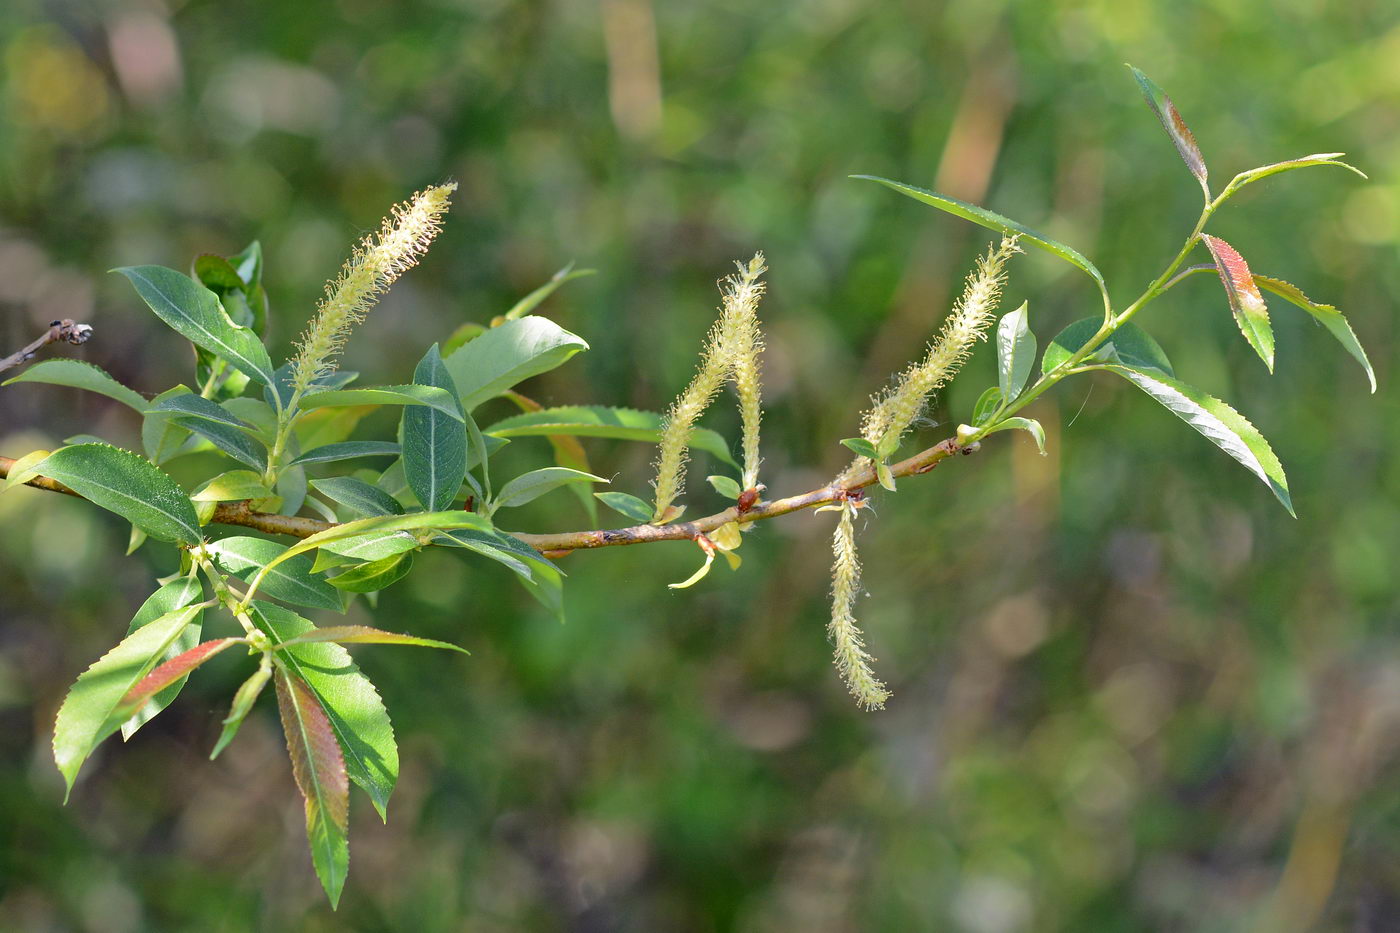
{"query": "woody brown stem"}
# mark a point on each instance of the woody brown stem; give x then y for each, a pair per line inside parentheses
(238, 513)
(65, 331)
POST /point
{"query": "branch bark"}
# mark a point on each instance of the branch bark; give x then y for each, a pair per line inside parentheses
(555, 545)
(64, 331)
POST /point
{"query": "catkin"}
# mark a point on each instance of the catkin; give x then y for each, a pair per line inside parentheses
(898, 407)
(731, 351)
(852, 660)
(373, 266)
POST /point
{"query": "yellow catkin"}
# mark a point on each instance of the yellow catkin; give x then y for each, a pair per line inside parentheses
(899, 406)
(852, 660)
(732, 348)
(373, 266)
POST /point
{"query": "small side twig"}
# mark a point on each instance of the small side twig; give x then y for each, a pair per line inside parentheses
(64, 331)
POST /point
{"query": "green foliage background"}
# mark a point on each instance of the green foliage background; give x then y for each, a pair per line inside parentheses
(1130, 692)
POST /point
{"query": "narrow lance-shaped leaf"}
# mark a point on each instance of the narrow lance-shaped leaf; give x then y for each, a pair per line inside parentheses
(319, 768)
(506, 355)
(357, 494)
(351, 702)
(177, 594)
(1326, 315)
(434, 443)
(194, 311)
(601, 421)
(1131, 345)
(176, 669)
(122, 482)
(93, 708)
(346, 450)
(995, 221)
(434, 398)
(365, 635)
(530, 486)
(1175, 126)
(374, 576)
(1246, 303)
(1307, 161)
(1217, 422)
(1015, 352)
(80, 375)
(243, 701)
(291, 581)
(1029, 425)
(627, 505)
(531, 301)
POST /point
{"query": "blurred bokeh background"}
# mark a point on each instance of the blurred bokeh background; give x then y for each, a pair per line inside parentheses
(1130, 692)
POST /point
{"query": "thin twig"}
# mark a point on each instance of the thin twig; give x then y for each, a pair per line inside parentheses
(238, 513)
(66, 331)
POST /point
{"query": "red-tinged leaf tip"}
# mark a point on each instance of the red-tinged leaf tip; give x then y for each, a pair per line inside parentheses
(1175, 125)
(172, 670)
(1246, 301)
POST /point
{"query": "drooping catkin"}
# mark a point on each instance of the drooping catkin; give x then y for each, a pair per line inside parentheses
(731, 350)
(373, 266)
(851, 658)
(896, 409)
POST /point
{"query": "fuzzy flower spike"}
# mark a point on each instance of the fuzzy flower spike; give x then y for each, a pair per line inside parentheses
(732, 348)
(375, 264)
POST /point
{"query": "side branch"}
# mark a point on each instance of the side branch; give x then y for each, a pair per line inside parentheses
(64, 331)
(238, 513)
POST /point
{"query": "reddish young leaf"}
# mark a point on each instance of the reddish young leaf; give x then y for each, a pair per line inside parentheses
(319, 768)
(1246, 302)
(171, 671)
(365, 635)
(1175, 126)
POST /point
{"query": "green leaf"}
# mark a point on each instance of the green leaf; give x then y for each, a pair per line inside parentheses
(531, 301)
(883, 474)
(1025, 424)
(530, 486)
(243, 701)
(1328, 316)
(290, 581)
(726, 486)
(861, 447)
(373, 546)
(357, 494)
(1175, 126)
(463, 335)
(122, 482)
(356, 712)
(994, 221)
(434, 444)
(1246, 303)
(380, 524)
(1133, 346)
(1217, 422)
(627, 505)
(231, 441)
(1015, 352)
(161, 438)
(232, 486)
(93, 708)
(318, 765)
(434, 398)
(1307, 161)
(506, 355)
(194, 406)
(601, 421)
(346, 450)
(987, 404)
(365, 635)
(375, 575)
(79, 375)
(194, 312)
(256, 413)
(26, 468)
(177, 594)
(541, 579)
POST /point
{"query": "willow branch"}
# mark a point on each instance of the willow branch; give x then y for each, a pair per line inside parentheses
(64, 331)
(239, 513)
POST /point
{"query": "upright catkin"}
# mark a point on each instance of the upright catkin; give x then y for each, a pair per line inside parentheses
(731, 350)
(895, 410)
(851, 659)
(373, 266)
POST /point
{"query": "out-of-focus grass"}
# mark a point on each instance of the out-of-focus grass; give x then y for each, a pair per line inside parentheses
(1130, 692)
